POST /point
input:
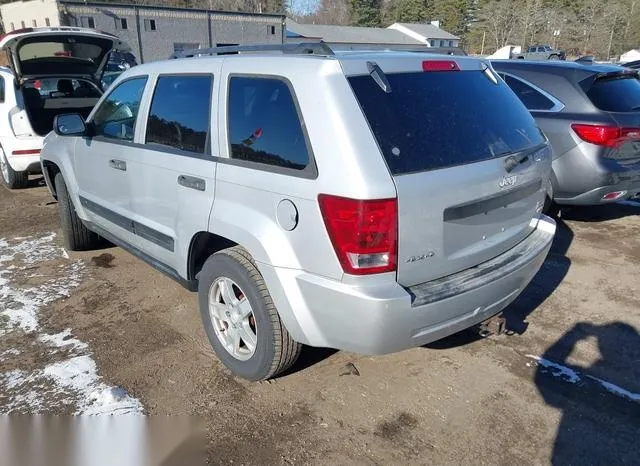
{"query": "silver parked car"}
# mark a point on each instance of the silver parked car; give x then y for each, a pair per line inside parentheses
(591, 115)
(370, 201)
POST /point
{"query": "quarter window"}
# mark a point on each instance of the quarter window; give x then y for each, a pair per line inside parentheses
(264, 125)
(531, 98)
(180, 113)
(1, 90)
(116, 116)
(123, 24)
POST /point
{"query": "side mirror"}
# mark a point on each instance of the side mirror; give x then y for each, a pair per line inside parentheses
(70, 124)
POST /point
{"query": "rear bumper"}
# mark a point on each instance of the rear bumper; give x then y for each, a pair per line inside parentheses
(584, 176)
(386, 317)
(23, 162)
(594, 197)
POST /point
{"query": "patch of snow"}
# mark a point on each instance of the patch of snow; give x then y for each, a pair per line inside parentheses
(14, 378)
(574, 376)
(7, 354)
(557, 370)
(73, 380)
(63, 339)
(79, 374)
(613, 388)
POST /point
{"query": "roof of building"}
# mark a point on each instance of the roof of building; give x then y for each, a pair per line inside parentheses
(428, 31)
(161, 7)
(350, 34)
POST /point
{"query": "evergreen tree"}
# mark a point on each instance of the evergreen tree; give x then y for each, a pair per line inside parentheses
(366, 12)
(409, 11)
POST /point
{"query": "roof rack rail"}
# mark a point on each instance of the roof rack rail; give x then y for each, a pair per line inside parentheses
(315, 48)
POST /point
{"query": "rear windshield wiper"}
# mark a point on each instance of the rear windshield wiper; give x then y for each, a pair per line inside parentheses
(513, 161)
(379, 77)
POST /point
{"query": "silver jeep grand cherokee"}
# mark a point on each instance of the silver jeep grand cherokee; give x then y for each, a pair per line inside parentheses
(370, 201)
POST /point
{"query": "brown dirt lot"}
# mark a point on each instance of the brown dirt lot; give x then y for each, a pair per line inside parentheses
(459, 401)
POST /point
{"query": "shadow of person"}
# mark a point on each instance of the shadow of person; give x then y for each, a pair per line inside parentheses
(600, 404)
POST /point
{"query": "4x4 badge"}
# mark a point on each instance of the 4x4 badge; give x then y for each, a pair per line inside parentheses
(508, 181)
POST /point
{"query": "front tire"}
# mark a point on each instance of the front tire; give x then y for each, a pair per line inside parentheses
(11, 178)
(240, 319)
(77, 237)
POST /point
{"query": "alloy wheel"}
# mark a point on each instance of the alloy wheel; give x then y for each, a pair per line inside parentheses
(232, 318)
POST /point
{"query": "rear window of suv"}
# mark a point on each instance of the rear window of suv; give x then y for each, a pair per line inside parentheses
(442, 119)
(616, 95)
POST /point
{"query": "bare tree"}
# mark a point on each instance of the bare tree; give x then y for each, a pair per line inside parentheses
(501, 19)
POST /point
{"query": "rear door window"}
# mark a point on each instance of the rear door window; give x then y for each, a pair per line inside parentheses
(531, 98)
(620, 94)
(264, 123)
(442, 119)
(180, 113)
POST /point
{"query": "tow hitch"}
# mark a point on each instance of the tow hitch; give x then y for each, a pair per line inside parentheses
(496, 325)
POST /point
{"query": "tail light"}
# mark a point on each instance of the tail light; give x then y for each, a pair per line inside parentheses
(607, 136)
(20, 124)
(37, 84)
(364, 233)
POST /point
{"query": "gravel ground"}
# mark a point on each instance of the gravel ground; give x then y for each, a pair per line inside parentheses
(102, 332)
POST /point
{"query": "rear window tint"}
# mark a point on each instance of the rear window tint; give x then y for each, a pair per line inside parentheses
(616, 95)
(436, 120)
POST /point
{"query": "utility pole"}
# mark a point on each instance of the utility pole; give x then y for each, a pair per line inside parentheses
(610, 43)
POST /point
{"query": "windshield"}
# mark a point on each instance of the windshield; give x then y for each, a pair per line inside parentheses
(61, 54)
(83, 51)
(441, 119)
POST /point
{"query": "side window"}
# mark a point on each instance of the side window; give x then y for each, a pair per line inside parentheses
(1, 90)
(540, 49)
(180, 113)
(531, 98)
(532, 49)
(264, 125)
(116, 116)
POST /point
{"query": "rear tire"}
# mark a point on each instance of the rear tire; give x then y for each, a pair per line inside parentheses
(11, 178)
(272, 350)
(554, 57)
(77, 237)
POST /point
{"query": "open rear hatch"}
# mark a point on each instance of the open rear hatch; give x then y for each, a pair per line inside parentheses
(57, 51)
(468, 161)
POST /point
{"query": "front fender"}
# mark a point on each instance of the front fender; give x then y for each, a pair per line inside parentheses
(60, 150)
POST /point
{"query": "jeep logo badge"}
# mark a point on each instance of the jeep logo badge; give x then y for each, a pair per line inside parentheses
(508, 181)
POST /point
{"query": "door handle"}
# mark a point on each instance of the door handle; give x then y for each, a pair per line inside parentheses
(192, 182)
(118, 164)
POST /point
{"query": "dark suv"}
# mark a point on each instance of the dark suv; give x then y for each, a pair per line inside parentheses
(591, 115)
